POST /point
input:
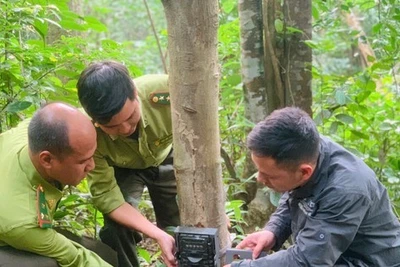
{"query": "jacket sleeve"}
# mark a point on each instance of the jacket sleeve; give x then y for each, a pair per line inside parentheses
(49, 243)
(325, 236)
(105, 191)
(279, 222)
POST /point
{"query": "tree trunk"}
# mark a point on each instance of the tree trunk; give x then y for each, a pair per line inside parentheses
(54, 33)
(297, 57)
(254, 84)
(287, 64)
(193, 79)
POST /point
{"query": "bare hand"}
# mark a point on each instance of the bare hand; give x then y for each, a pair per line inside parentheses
(167, 245)
(228, 265)
(259, 241)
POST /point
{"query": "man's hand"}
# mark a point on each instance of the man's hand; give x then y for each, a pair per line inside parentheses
(228, 265)
(259, 241)
(124, 215)
(167, 245)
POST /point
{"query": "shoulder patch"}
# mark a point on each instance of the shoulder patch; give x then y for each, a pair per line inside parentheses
(43, 213)
(161, 98)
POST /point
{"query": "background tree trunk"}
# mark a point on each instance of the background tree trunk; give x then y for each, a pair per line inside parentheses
(193, 79)
(297, 58)
(254, 84)
(286, 60)
(55, 33)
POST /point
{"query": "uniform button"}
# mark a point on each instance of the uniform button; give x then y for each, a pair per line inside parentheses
(155, 99)
(321, 236)
(157, 143)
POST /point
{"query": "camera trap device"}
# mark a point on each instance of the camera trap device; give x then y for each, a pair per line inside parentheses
(197, 247)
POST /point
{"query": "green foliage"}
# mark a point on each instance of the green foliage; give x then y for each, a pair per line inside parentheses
(358, 107)
(35, 69)
(76, 212)
(231, 111)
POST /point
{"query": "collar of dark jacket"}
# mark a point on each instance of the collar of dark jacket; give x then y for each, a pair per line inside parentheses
(318, 178)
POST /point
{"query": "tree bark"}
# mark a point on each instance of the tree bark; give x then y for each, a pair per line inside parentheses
(273, 52)
(253, 78)
(297, 57)
(55, 33)
(193, 79)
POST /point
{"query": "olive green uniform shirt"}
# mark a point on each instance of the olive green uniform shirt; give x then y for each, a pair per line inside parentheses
(19, 212)
(150, 150)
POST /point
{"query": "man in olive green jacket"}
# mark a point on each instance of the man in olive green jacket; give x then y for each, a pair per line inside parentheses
(134, 149)
(62, 142)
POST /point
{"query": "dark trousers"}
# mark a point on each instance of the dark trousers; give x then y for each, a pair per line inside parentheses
(161, 183)
(11, 257)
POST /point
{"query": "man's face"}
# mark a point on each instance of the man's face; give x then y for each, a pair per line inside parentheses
(125, 122)
(277, 178)
(72, 168)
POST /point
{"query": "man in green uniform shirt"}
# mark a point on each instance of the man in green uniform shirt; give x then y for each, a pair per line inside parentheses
(62, 142)
(134, 149)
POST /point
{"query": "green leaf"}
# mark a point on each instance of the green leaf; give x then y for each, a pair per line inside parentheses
(41, 28)
(334, 126)
(18, 106)
(274, 197)
(386, 126)
(95, 24)
(109, 43)
(228, 6)
(144, 254)
(292, 30)
(360, 134)
(345, 118)
(311, 44)
(315, 13)
(381, 66)
(234, 79)
(362, 96)
(371, 58)
(345, 7)
(376, 28)
(72, 25)
(321, 116)
(371, 85)
(340, 97)
(278, 25)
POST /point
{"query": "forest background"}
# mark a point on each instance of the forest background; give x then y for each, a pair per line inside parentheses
(45, 44)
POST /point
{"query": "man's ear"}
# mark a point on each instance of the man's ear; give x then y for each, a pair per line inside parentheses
(46, 159)
(306, 171)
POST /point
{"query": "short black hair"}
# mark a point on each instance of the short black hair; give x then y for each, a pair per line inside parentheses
(48, 134)
(288, 135)
(103, 89)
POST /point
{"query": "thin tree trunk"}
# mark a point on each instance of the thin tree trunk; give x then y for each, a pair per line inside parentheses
(272, 57)
(193, 79)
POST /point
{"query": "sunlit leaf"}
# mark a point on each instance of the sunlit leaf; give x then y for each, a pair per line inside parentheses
(278, 25)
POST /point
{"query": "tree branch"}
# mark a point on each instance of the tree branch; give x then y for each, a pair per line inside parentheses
(228, 163)
(156, 36)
